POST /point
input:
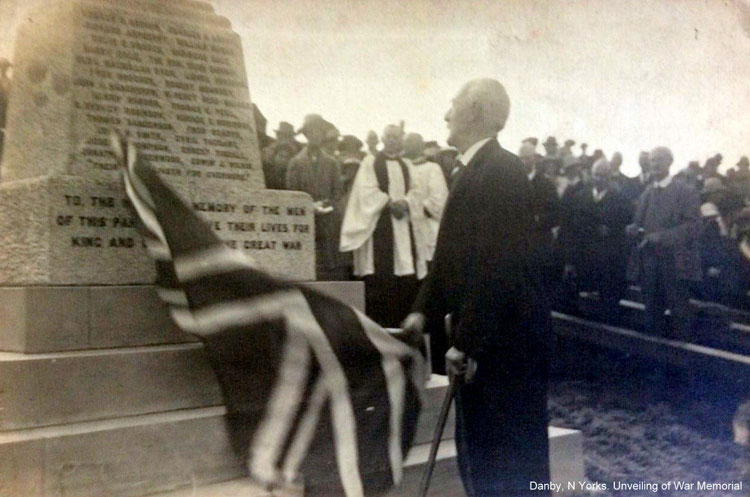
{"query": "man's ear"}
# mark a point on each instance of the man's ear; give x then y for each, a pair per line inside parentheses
(477, 112)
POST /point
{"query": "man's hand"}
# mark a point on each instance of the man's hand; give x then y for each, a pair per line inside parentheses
(414, 323)
(413, 329)
(458, 365)
(632, 230)
(322, 207)
(399, 209)
(650, 241)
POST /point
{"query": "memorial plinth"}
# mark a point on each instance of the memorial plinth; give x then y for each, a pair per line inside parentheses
(171, 76)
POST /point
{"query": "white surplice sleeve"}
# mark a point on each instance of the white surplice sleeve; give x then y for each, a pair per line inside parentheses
(366, 201)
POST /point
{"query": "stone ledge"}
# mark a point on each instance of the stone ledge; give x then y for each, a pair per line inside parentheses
(37, 319)
(67, 387)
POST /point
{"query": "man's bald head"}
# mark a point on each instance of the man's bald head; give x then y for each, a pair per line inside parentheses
(616, 162)
(492, 101)
(413, 145)
(601, 173)
(601, 168)
(527, 154)
(660, 159)
(393, 139)
(480, 110)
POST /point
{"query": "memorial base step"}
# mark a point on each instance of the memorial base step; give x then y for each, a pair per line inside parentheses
(566, 463)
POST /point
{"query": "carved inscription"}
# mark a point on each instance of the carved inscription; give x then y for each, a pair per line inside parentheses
(106, 222)
(177, 87)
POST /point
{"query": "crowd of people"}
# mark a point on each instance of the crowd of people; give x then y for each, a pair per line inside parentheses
(677, 236)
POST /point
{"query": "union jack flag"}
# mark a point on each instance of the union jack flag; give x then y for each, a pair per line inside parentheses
(311, 385)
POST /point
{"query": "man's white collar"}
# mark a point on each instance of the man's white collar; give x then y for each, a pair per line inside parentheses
(665, 182)
(466, 157)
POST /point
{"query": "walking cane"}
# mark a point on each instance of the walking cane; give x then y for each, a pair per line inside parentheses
(424, 485)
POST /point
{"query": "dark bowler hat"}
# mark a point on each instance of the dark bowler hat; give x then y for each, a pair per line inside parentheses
(551, 140)
(743, 161)
(285, 127)
(570, 143)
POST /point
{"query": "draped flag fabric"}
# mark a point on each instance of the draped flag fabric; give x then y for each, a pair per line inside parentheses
(311, 385)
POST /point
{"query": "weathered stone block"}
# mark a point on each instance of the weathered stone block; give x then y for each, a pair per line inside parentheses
(170, 73)
(36, 319)
(69, 230)
(69, 387)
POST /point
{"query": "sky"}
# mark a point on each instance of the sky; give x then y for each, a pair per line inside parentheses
(620, 75)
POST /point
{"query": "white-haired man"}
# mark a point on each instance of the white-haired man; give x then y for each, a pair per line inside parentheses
(485, 277)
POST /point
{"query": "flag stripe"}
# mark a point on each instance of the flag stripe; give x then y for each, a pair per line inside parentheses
(210, 262)
(282, 407)
(305, 431)
(391, 351)
(300, 316)
(362, 364)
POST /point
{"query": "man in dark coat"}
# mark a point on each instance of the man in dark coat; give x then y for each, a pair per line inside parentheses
(484, 276)
(317, 173)
(565, 293)
(546, 213)
(599, 245)
(633, 188)
(667, 222)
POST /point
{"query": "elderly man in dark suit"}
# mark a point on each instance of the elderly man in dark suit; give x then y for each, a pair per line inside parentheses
(485, 277)
(667, 222)
(598, 248)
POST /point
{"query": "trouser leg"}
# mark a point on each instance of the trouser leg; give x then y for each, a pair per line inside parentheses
(652, 296)
(678, 299)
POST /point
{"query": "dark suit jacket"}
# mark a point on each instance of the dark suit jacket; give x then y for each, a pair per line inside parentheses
(546, 213)
(674, 212)
(322, 180)
(484, 271)
(592, 250)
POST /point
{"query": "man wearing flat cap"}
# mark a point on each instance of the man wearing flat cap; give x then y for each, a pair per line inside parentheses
(567, 149)
(315, 172)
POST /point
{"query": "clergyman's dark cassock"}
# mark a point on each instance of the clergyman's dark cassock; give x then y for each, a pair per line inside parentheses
(484, 274)
(383, 246)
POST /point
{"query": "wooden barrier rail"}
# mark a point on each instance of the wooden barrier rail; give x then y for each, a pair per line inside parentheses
(678, 353)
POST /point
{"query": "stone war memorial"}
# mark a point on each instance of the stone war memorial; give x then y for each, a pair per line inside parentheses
(101, 395)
